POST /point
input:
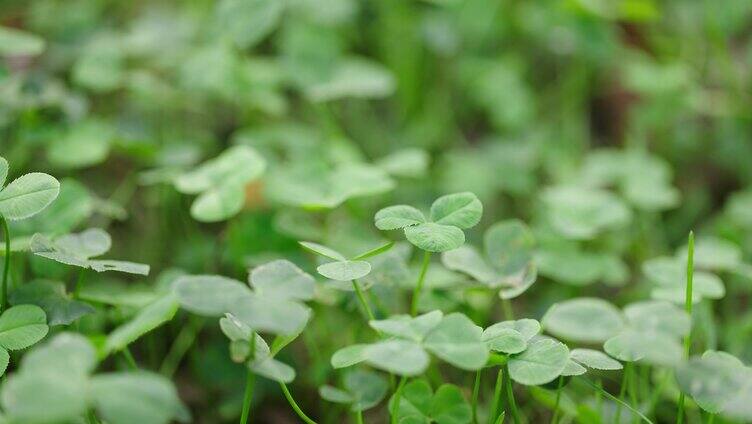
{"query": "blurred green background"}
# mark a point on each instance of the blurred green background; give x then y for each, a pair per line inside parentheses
(648, 100)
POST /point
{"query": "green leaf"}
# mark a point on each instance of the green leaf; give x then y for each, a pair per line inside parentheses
(236, 165)
(587, 320)
(418, 404)
(21, 326)
(279, 316)
(401, 357)
(407, 327)
(88, 142)
(333, 394)
(4, 361)
(462, 210)
(449, 406)
(713, 254)
(408, 163)
(714, 381)
(14, 42)
(368, 388)
(457, 340)
(414, 402)
(234, 329)
(528, 328)
(52, 298)
(210, 295)
(519, 283)
(509, 246)
(580, 213)
(28, 195)
(3, 167)
(375, 251)
(272, 369)
(506, 340)
(282, 279)
(540, 363)
(115, 396)
(350, 355)
(344, 270)
(435, 237)
(399, 216)
(595, 359)
(247, 22)
(650, 347)
(572, 368)
(322, 250)
(102, 265)
(658, 316)
(218, 203)
(146, 320)
(353, 77)
(467, 259)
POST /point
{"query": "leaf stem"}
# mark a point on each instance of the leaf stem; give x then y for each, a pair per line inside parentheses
(183, 342)
(129, 358)
(397, 400)
(511, 404)
(506, 307)
(622, 391)
(419, 283)
(362, 299)
(247, 397)
(555, 417)
(492, 412)
(688, 308)
(6, 268)
(79, 282)
(359, 416)
(295, 406)
(476, 391)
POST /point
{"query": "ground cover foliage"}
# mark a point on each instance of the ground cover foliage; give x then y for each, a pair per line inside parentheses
(393, 211)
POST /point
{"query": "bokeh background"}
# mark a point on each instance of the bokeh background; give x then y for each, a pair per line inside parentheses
(648, 100)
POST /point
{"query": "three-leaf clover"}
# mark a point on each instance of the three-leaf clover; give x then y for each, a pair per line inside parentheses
(450, 215)
(342, 268)
(508, 261)
(20, 327)
(454, 338)
(77, 249)
(220, 183)
(274, 305)
(419, 404)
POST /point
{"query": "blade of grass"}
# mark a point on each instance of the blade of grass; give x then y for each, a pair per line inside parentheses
(476, 391)
(617, 400)
(688, 308)
(497, 396)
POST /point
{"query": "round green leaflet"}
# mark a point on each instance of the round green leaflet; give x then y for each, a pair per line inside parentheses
(457, 340)
(462, 210)
(401, 357)
(21, 326)
(587, 320)
(595, 359)
(407, 327)
(658, 316)
(648, 346)
(581, 213)
(504, 340)
(14, 42)
(353, 77)
(543, 361)
(28, 195)
(362, 390)
(433, 237)
(344, 270)
(399, 216)
(419, 404)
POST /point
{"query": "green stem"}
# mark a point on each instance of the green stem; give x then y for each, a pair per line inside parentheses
(688, 308)
(129, 358)
(599, 398)
(631, 388)
(363, 300)
(182, 343)
(359, 416)
(555, 417)
(397, 400)
(476, 391)
(91, 418)
(250, 380)
(617, 400)
(419, 283)
(506, 306)
(79, 282)
(622, 391)
(711, 418)
(492, 412)
(295, 406)
(511, 404)
(6, 269)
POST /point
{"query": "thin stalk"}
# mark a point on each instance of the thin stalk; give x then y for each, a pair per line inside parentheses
(632, 389)
(711, 418)
(397, 400)
(506, 307)
(363, 301)
(359, 416)
(476, 391)
(91, 418)
(180, 346)
(492, 412)
(129, 358)
(555, 417)
(511, 404)
(688, 308)
(622, 391)
(419, 283)
(79, 282)
(599, 397)
(295, 406)
(6, 269)
(247, 397)
(617, 400)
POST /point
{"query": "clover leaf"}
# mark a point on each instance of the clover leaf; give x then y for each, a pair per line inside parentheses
(274, 305)
(27, 195)
(508, 261)
(669, 274)
(510, 336)
(147, 319)
(450, 215)
(54, 384)
(77, 249)
(453, 338)
(542, 361)
(20, 327)
(14, 42)
(342, 268)
(581, 213)
(220, 183)
(594, 359)
(362, 390)
(419, 403)
(58, 305)
(586, 319)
